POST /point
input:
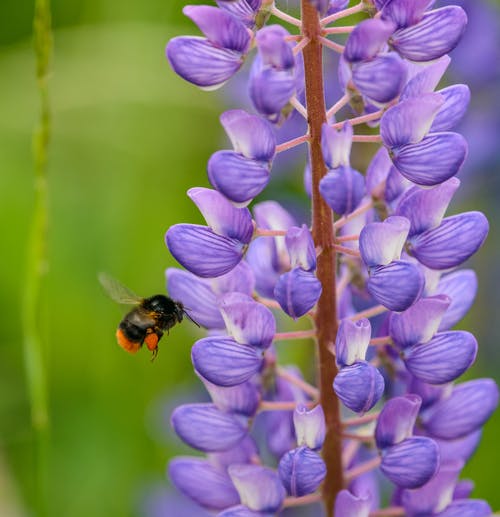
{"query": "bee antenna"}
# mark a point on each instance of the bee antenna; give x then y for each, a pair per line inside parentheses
(187, 314)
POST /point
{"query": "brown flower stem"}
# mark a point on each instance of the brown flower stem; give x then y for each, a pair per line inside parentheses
(323, 235)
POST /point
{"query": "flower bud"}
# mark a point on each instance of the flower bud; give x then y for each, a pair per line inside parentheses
(309, 426)
(301, 471)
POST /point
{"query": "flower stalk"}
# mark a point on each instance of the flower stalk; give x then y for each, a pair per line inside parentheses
(324, 235)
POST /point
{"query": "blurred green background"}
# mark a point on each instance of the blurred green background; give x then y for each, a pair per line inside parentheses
(129, 138)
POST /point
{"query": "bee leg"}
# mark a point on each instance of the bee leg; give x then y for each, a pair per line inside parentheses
(155, 353)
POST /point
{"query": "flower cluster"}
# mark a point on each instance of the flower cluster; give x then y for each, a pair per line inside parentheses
(379, 248)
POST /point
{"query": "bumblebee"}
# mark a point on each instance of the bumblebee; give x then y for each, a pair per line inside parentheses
(147, 321)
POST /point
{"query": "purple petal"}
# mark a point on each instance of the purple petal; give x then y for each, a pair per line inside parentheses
(359, 386)
(426, 79)
(461, 288)
(404, 12)
(435, 159)
(270, 89)
(337, 5)
(203, 483)
(396, 286)
(367, 39)
(202, 251)
(297, 292)
(248, 322)
(244, 452)
(262, 258)
(456, 100)
(336, 145)
(467, 508)
(463, 489)
(465, 410)
(221, 215)
(200, 62)
(418, 323)
(343, 189)
(459, 449)
(353, 338)
(382, 78)
(224, 362)
(455, 240)
(435, 35)
(271, 215)
(244, 10)
(197, 297)
(396, 420)
(240, 280)
(411, 463)
(206, 428)
(377, 172)
(274, 50)
(259, 487)
(220, 27)
(240, 179)
(309, 426)
(349, 505)
(396, 185)
(240, 510)
(243, 398)
(301, 471)
(435, 495)
(251, 136)
(425, 208)
(409, 121)
(381, 243)
(300, 245)
(443, 358)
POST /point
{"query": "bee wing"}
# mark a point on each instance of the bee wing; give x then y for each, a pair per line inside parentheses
(117, 291)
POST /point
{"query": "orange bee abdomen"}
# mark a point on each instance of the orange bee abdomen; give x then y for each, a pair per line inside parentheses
(127, 344)
(151, 341)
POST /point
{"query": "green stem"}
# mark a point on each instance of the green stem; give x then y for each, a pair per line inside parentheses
(36, 261)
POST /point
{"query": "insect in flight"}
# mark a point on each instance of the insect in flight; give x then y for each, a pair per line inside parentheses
(147, 321)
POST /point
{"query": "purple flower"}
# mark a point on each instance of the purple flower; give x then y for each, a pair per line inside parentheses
(382, 243)
(396, 420)
(202, 251)
(418, 323)
(380, 240)
(435, 35)
(209, 62)
(455, 240)
(411, 463)
(243, 173)
(297, 292)
(202, 482)
(206, 428)
(444, 358)
(351, 344)
(224, 362)
(301, 471)
(343, 189)
(359, 386)
(349, 505)
(425, 208)
(466, 409)
(259, 487)
(273, 74)
(367, 40)
(309, 426)
(396, 286)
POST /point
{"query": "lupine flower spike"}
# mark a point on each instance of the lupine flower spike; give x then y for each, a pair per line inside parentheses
(375, 274)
